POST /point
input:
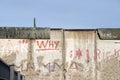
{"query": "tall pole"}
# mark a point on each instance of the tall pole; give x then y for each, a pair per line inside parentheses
(35, 23)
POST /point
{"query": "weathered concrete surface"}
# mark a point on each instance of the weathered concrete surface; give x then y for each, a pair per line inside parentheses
(109, 34)
(24, 33)
(108, 59)
(68, 55)
(36, 59)
(79, 49)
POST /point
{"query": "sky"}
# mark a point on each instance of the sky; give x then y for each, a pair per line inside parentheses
(66, 14)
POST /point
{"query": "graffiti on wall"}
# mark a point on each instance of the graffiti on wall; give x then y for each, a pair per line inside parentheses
(12, 48)
(98, 54)
(22, 46)
(9, 47)
(44, 45)
(47, 45)
(50, 67)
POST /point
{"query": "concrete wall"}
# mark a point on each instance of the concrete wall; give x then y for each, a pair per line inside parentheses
(79, 50)
(68, 55)
(108, 59)
(36, 59)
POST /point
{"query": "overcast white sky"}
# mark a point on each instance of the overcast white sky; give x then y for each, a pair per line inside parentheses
(79, 14)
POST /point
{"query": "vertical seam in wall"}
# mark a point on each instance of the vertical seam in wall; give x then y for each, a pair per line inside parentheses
(63, 55)
(95, 54)
(30, 58)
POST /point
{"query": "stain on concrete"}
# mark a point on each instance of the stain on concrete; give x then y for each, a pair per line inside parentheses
(9, 59)
(39, 60)
(109, 69)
